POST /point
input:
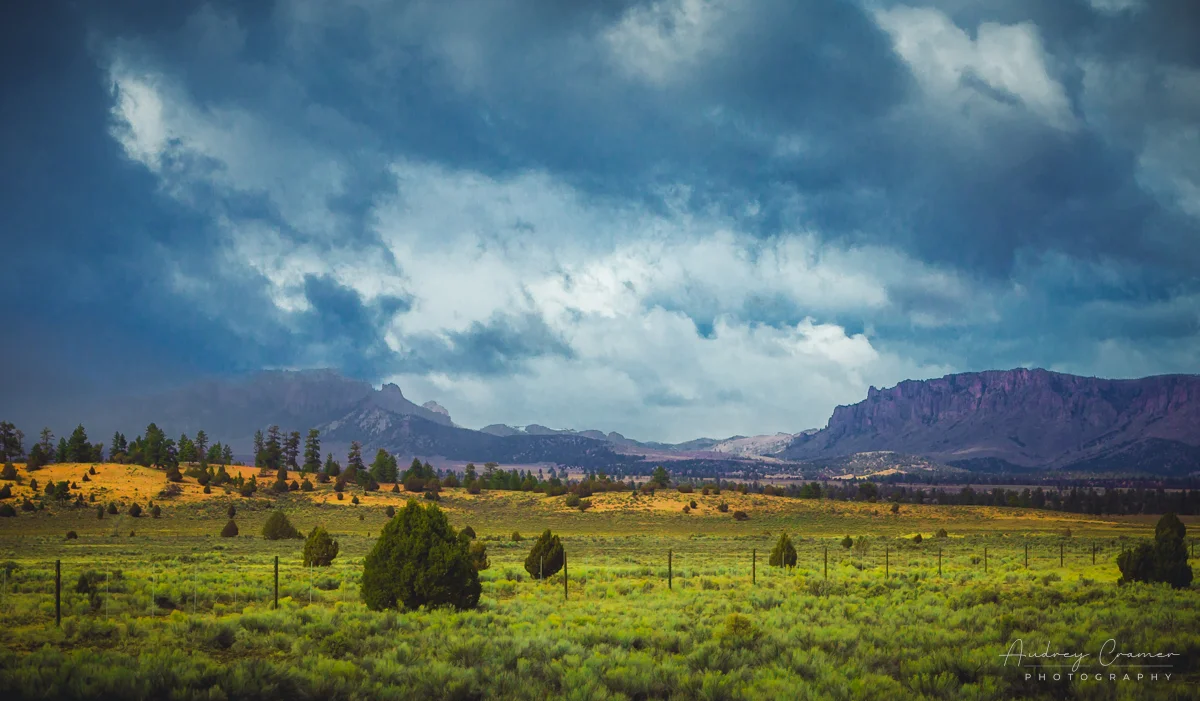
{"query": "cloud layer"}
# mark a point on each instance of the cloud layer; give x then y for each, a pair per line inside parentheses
(670, 219)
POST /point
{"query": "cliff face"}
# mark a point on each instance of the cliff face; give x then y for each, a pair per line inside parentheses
(1025, 417)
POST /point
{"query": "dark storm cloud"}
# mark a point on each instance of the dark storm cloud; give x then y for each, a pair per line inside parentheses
(801, 107)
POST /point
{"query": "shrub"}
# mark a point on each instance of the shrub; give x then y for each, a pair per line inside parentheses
(112, 508)
(230, 530)
(72, 535)
(917, 538)
(847, 542)
(33, 484)
(784, 553)
(692, 503)
(278, 527)
(432, 496)
(340, 496)
(585, 504)
(6, 492)
(740, 516)
(156, 511)
(895, 507)
(7, 511)
(1164, 561)
(941, 533)
(100, 513)
(27, 505)
(207, 489)
(687, 509)
(135, 510)
(396, 488)
(468, 533)
(174, 475)
(414, 484)
(9, 472)
(294, 486)
(474, 488)
(545, 557)
(390, 511)
(231, 511)
(85, 479)
(354, 500)
(516, 537)
(723, 507)
(572, 500)
(419, 561)
(479, 558)
(319, 548)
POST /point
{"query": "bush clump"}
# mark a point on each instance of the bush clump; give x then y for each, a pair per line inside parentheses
(545, 557)
(278, 527)
(72, 535)
(847, 543)
(941, 533)
(319, 548)
(230, 530)
(7, 511)
(723, 507)
(917, 538)
(740, 516)
(9, 472)
(1164, 561)
(479, 556)
(419, 561)
(135, 510)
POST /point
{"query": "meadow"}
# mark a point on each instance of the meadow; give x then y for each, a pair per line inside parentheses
(165, 608)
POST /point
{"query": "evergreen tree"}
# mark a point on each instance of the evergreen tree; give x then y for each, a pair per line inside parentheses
(332, 468)
(354, 461)
(319, 548)
(419, 561)
(312, 451)
(10, 442)
(384, 468)
(115, 452)
(63, 454)
(1164, 561)
(187, 449)
(469, 474)
(277, 527)
(227, 455)
(201, 443)
(273, 449)
(47, 443)
(546, 557)
(784, 553)
(291, 450)
(259, 449)
(660, 476)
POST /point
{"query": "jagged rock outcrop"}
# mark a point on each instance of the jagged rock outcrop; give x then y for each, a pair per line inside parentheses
(1023, 417)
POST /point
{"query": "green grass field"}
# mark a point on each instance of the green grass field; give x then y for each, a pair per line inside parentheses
(176, 611)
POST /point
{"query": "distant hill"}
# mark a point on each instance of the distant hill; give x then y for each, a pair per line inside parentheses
(1022, 418)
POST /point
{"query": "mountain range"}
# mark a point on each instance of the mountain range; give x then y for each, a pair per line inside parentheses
(1022, 419)
(993, 420)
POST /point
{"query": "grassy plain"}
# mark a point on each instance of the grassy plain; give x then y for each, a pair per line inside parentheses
(177, 611)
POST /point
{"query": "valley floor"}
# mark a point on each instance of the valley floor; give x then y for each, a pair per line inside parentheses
(172, 609)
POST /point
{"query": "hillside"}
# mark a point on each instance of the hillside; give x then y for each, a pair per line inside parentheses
(1025, 418)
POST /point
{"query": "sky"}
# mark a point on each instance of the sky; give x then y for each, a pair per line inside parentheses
(670, 218)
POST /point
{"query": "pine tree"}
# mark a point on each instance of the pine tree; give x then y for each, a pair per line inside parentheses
(187, 449)
(10, 442)
(354, 461)
(47, 444)
(784, 553)
(419, 561)
(201, 443)
(384, 468)
(312, 451)
(273, 449)
(63, 454)
(332, 468)
(259, 449)
(227, 455)
(291, 450)
(545, 559)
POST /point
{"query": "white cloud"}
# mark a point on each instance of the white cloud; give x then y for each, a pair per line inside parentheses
(1007, 58)
(665, 41)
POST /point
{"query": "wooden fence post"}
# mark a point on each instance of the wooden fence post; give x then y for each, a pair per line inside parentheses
(753, 566)
(276, 604)
(886, 569)
(939, 561)
(564, 575)
(1093, 553)
(826, 562)
(1061, 546)
(58, 593)
(985, 559)
(1027, 555)
(670, 571)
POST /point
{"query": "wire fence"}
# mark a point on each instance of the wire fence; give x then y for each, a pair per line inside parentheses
(156, 589)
